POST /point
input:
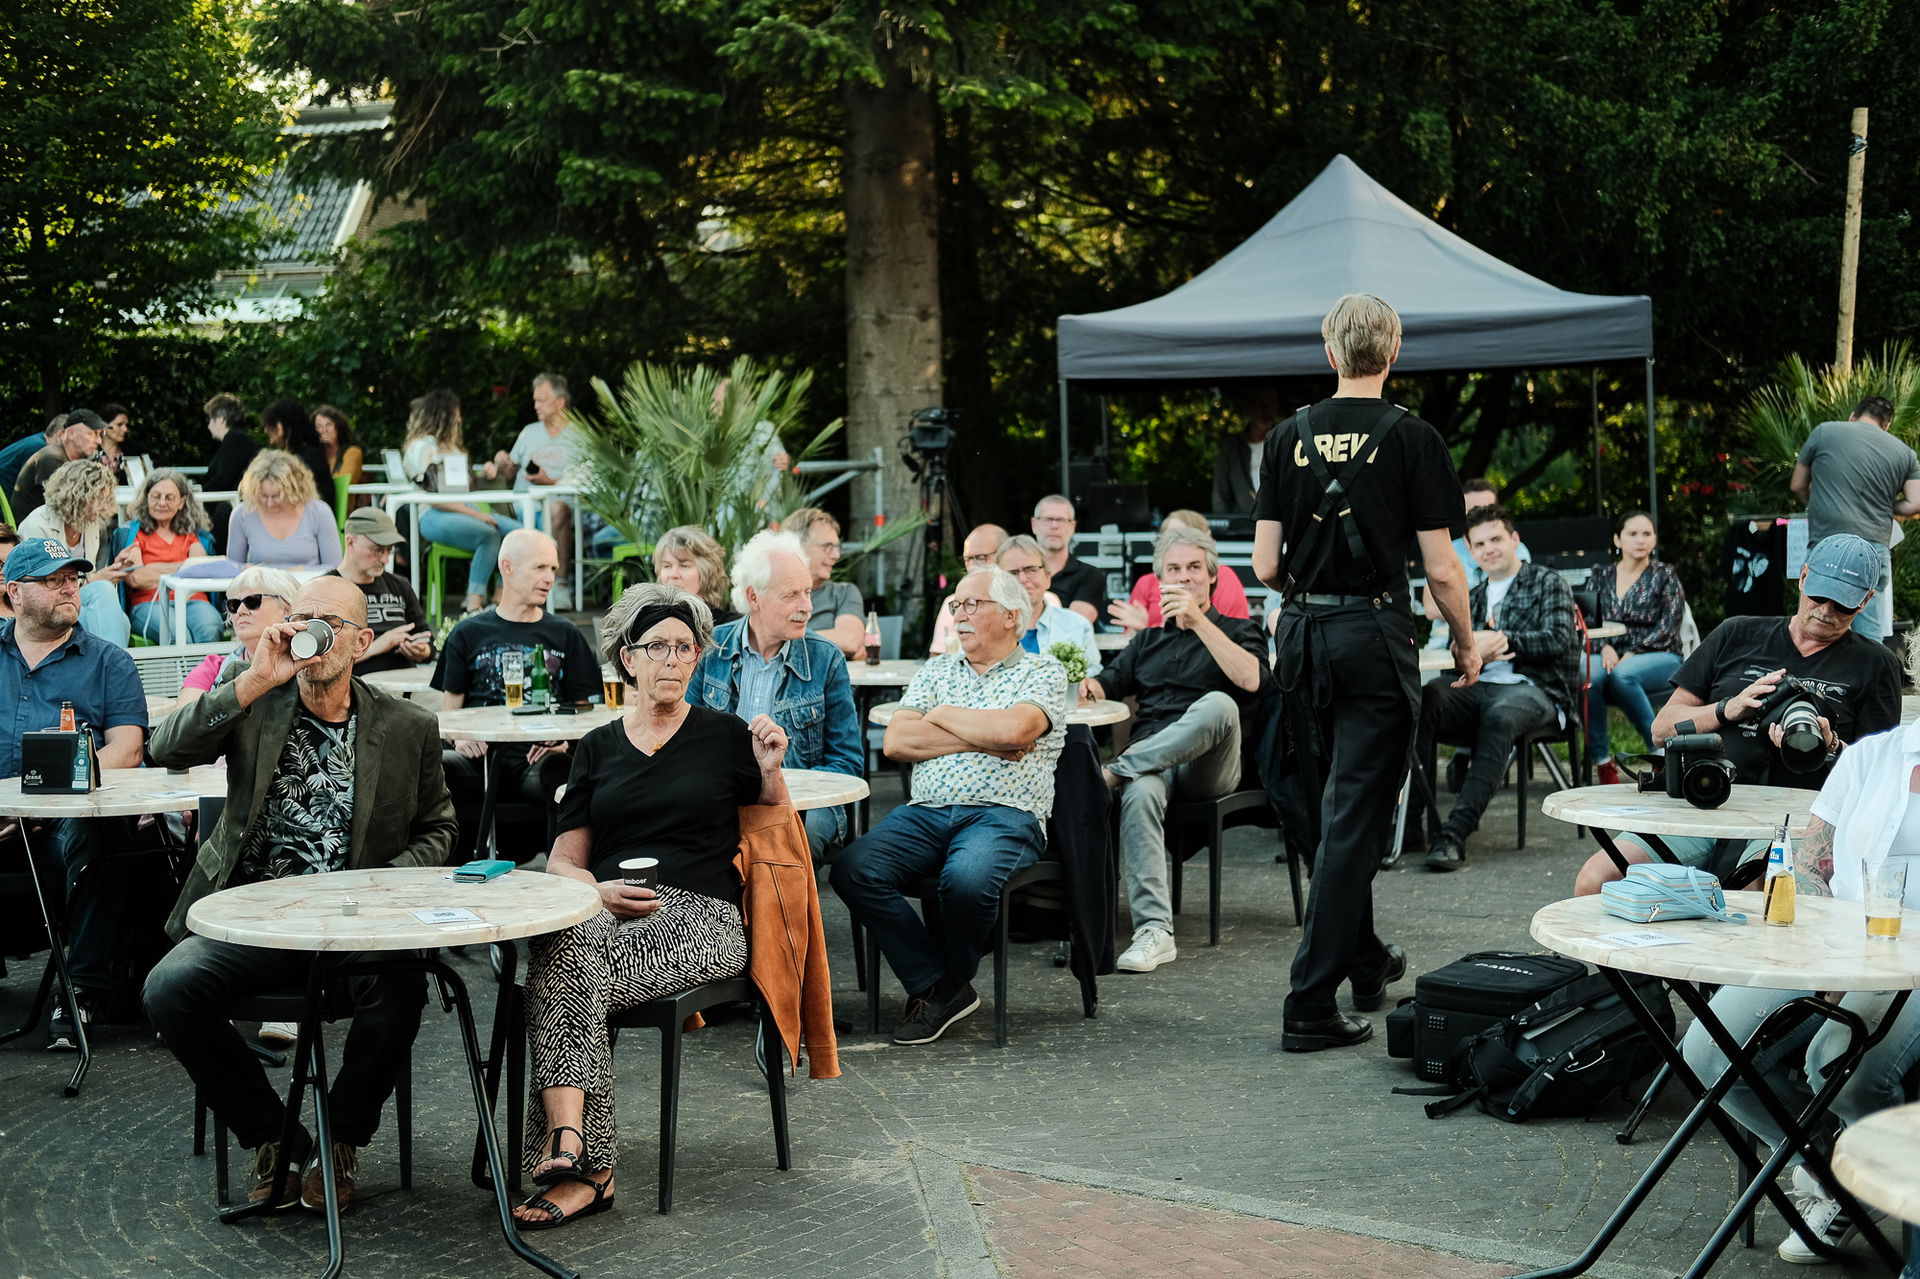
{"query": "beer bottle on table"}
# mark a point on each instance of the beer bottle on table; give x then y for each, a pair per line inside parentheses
(1780, 886)
(873, 638)
(539, 693)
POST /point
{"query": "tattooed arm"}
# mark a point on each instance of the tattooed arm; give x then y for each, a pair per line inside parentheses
(1813, 861)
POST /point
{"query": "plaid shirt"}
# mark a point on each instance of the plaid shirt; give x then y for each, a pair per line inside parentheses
(1537, 619)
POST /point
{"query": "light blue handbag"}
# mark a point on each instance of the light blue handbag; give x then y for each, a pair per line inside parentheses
(1656, 891)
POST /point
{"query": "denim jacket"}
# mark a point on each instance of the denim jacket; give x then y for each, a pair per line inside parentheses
(814, 703)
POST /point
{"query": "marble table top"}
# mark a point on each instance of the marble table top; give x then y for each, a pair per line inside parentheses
(159, 708)
(1092, 714)
(894, 673)
(405, 682)
(1111, 641)
(123, 792)
(1606, 631)
(1826, 948)
(1436, 659)
(1751, 812)
(305, 912)
(817, 788)
(498, 724)
(1878, 1158)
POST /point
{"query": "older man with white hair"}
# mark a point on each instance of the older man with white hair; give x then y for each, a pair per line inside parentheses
(767, 663)
(983, 728)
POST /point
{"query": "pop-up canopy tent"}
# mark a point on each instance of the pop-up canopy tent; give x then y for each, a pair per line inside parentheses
(1256, 312)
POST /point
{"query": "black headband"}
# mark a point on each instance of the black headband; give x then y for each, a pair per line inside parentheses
(651, 615)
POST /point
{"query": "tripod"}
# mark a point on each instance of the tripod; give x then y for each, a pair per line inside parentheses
(940, 502)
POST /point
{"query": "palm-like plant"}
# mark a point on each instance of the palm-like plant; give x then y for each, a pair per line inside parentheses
(1779, 417)
(693, 446)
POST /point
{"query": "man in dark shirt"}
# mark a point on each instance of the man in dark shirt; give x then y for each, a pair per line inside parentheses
(1347, 667)
(15, 455)
(80, 438)
(401, 636)
(1719, 688)
(1523, 628)
(1076, 584)
(1192, 675)
(47, 659)
(233, 451)
(325, 773)
(469, 675)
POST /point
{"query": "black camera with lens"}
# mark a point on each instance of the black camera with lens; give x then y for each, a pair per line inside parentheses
(931, 430)
(1796, 707)
(1695, 769)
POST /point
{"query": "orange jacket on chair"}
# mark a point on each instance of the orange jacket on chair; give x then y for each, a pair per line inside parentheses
(786, 946)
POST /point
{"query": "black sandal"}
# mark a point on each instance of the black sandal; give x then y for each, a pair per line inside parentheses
(554, 1176)
(558, 1217)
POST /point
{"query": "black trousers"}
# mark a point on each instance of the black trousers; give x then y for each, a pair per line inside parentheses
(519, 783)
(1352, 671)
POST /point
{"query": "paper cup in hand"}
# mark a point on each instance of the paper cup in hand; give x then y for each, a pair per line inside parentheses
(641, 872)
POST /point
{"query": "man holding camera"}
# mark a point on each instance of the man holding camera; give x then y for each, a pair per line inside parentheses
(1732, 687)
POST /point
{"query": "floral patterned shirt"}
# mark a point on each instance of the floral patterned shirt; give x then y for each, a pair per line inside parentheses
(307, 817)
(974, 777)
(1651, 612)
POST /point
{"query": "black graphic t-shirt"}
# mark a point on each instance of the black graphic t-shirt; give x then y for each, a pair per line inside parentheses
(306, 820)
(470, 663)
(391, 603)
(1857, 679)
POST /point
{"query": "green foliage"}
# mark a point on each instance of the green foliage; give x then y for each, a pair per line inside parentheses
(1784, 412)
(689, 446)
(130, 134)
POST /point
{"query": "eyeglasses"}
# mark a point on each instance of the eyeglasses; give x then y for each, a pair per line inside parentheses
(237, 602)
(329, 618)
(1836, 605)
(1053, 519)
(826, 548)
(1031, 570)
(967, 608)
(58, 582)
(981, 560)
(660, 650)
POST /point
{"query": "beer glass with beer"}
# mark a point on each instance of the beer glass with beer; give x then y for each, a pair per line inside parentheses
(1886, 889)
(610, 686)
(513, 676)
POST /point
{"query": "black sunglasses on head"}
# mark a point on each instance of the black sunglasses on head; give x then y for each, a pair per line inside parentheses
(252, 602)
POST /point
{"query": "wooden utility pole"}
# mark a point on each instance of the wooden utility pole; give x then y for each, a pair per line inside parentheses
(1850, 239)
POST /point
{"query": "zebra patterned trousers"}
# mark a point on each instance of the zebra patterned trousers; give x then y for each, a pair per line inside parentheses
(577, 978)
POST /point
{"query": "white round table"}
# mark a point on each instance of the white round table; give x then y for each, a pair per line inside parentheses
(404, 682)
(1878, 1159)
(160, 707)
(817, 788)
(1436, 659)
(1751, 812)
(1909, 708)
(1092, 714)
(893, 673)
(123, 792)
(497, 724)
(1606, 631)
(1112, 641)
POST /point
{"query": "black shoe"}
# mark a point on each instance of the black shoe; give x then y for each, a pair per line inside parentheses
(62, 1034)
(928, 1019)
(1457, 770)
(1446, 854)
(1337, 1031)
(1366, 999)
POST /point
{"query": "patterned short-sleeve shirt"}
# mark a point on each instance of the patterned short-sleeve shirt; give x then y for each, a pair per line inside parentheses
(975, 777)
(307, 819)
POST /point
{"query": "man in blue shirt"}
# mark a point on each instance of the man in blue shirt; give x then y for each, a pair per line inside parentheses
(46, 659)
(769, 663)
(15, 455)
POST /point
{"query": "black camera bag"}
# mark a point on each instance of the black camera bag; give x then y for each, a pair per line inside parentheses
(1453, 1003)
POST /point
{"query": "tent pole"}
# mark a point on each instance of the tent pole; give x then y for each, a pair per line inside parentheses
(1593, 386)
(1653, 451)
(1106, 446)
(1063, 440)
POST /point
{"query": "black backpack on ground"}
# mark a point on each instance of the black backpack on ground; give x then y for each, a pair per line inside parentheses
(1567, 1055)
(1455, 1002)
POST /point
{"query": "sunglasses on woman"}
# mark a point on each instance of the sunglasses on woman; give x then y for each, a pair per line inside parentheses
(250, 602)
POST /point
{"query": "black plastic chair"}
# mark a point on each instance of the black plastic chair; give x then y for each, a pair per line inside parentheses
(1235, 809)
(1042, 883)
(668, 1015)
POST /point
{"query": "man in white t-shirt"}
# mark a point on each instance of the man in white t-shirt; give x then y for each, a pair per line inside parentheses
(540, 456)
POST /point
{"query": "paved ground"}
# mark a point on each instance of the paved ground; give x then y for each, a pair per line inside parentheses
(1166, 1137)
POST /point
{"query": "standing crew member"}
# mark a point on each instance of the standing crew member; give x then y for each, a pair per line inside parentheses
(1354, 480)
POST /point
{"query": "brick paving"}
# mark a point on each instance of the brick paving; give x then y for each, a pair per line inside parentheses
(1170, 1116)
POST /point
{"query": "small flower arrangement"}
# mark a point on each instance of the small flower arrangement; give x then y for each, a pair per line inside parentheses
(1071, 656)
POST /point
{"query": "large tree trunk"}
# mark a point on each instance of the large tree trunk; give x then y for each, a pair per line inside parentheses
(893, 287)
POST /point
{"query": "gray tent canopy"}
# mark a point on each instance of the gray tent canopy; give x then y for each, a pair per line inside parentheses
(1256, 312)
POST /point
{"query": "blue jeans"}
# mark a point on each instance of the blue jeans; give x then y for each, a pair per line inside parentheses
(1875, 621)
(101, 614)
(1627, 686)
(154, 620)
(469, 534)
(826, 830)
(973, 849)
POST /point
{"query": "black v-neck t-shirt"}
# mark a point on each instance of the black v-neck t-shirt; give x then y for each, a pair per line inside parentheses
(677, 804)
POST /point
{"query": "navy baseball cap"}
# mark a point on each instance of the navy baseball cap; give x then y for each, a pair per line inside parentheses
(38, 557)
(1843, 567)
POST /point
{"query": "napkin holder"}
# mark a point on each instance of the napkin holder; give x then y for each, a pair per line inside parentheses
(55, 762)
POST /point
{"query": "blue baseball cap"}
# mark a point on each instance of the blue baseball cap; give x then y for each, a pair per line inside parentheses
(38, 557)
(1843, 567)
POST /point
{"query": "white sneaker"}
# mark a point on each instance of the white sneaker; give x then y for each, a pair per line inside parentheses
(1823, 1217)
(279, 1034)
(1152, 947)
(560, 599)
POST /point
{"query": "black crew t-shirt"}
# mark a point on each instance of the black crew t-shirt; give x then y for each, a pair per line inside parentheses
(1079, 580)
(678, 804)
(1858, 681)
(1408, 485)
(470, 662)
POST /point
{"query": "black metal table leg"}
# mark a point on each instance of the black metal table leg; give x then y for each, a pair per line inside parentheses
(489, 779)
(56, 971)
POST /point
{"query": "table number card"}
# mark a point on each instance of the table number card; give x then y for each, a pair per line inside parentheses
(1636, 938)
(447, 915)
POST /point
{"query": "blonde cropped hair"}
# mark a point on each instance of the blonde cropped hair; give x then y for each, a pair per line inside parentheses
(1362, 333)
(81, 493)
(293, 476)
(697, 545)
